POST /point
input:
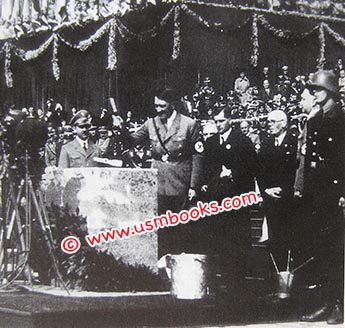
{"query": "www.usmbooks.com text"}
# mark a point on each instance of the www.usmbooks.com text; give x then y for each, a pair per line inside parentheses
(170, 219)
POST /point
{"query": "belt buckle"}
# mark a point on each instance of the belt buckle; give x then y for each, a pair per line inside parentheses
(165, 158)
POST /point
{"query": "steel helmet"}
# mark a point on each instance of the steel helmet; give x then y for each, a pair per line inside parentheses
(326, 80)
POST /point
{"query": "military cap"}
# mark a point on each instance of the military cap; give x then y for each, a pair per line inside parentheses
(326, 80)
(81, 118)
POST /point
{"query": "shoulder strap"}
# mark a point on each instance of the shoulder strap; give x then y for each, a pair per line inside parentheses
(159, 137)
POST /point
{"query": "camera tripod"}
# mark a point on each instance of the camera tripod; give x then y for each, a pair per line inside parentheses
(24, 207)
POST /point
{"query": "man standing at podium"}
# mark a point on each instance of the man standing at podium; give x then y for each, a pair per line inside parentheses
(177, 152)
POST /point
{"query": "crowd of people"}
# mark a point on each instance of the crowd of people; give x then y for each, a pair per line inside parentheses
(287, 137)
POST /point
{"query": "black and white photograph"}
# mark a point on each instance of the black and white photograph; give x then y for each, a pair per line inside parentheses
(172, 163)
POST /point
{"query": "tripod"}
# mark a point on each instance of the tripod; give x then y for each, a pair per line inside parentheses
(24, 206)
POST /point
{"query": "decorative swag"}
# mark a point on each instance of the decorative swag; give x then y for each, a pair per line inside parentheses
(115, 27)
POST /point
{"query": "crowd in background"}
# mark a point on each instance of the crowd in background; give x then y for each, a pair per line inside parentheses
(250, 102)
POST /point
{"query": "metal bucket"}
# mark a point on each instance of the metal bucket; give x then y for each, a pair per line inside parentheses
(188, 275)
(285, 279)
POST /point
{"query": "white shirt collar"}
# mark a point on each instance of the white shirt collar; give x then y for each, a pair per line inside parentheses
(225, 135)
(82, 142)
(313, 112)
(281, 138)
(170, 120)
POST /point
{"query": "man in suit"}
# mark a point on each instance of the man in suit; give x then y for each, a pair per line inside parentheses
(177, 151)
(230, 167)
(323, 196)
(81, 151)
(277, 159)
(266, 93)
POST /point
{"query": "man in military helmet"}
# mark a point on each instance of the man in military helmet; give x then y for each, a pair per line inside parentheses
(323, 195)
(81, 151)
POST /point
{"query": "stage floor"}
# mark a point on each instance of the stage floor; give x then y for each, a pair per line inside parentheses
(19, 308)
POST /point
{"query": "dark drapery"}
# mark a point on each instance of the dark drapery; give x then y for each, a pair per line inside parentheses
(85, 83)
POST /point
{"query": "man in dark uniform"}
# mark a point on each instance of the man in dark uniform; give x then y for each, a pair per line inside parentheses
(323, 196)
(177, 150)
(277, 159)
(230, 168)
(81, 151)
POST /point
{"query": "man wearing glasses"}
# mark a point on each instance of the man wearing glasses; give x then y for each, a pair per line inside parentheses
(323, 196)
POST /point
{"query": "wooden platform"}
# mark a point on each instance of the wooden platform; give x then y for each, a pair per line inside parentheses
(31, 309)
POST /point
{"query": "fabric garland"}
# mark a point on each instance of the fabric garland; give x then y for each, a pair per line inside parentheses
(112, 57)
(55, 60)
(8, 72)
(94, 38)
(33, 54)
(255, 42)
(337, 37)
(127, 34)
(321, 60)
(286, 34)
(114, 27)
(206, 23)
(177, 34)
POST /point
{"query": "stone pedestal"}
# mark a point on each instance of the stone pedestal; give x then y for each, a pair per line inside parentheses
(110, 198)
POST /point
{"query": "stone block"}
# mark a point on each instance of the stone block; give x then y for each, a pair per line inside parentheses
(110, 198)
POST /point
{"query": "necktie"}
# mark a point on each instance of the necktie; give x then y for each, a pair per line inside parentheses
(222, 139)
(85, 146)
(276, 142)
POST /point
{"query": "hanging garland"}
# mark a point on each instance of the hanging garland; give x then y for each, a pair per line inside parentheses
(321, 60)
(335, 35)
(86, 44)
(83, 45)
(112, 57)
(8, 72)
(55, 60)
(255, 41)
(114, 25)
(286, 34)
(33, 54)
(177, 34)
(127, 34)
(214, 25)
